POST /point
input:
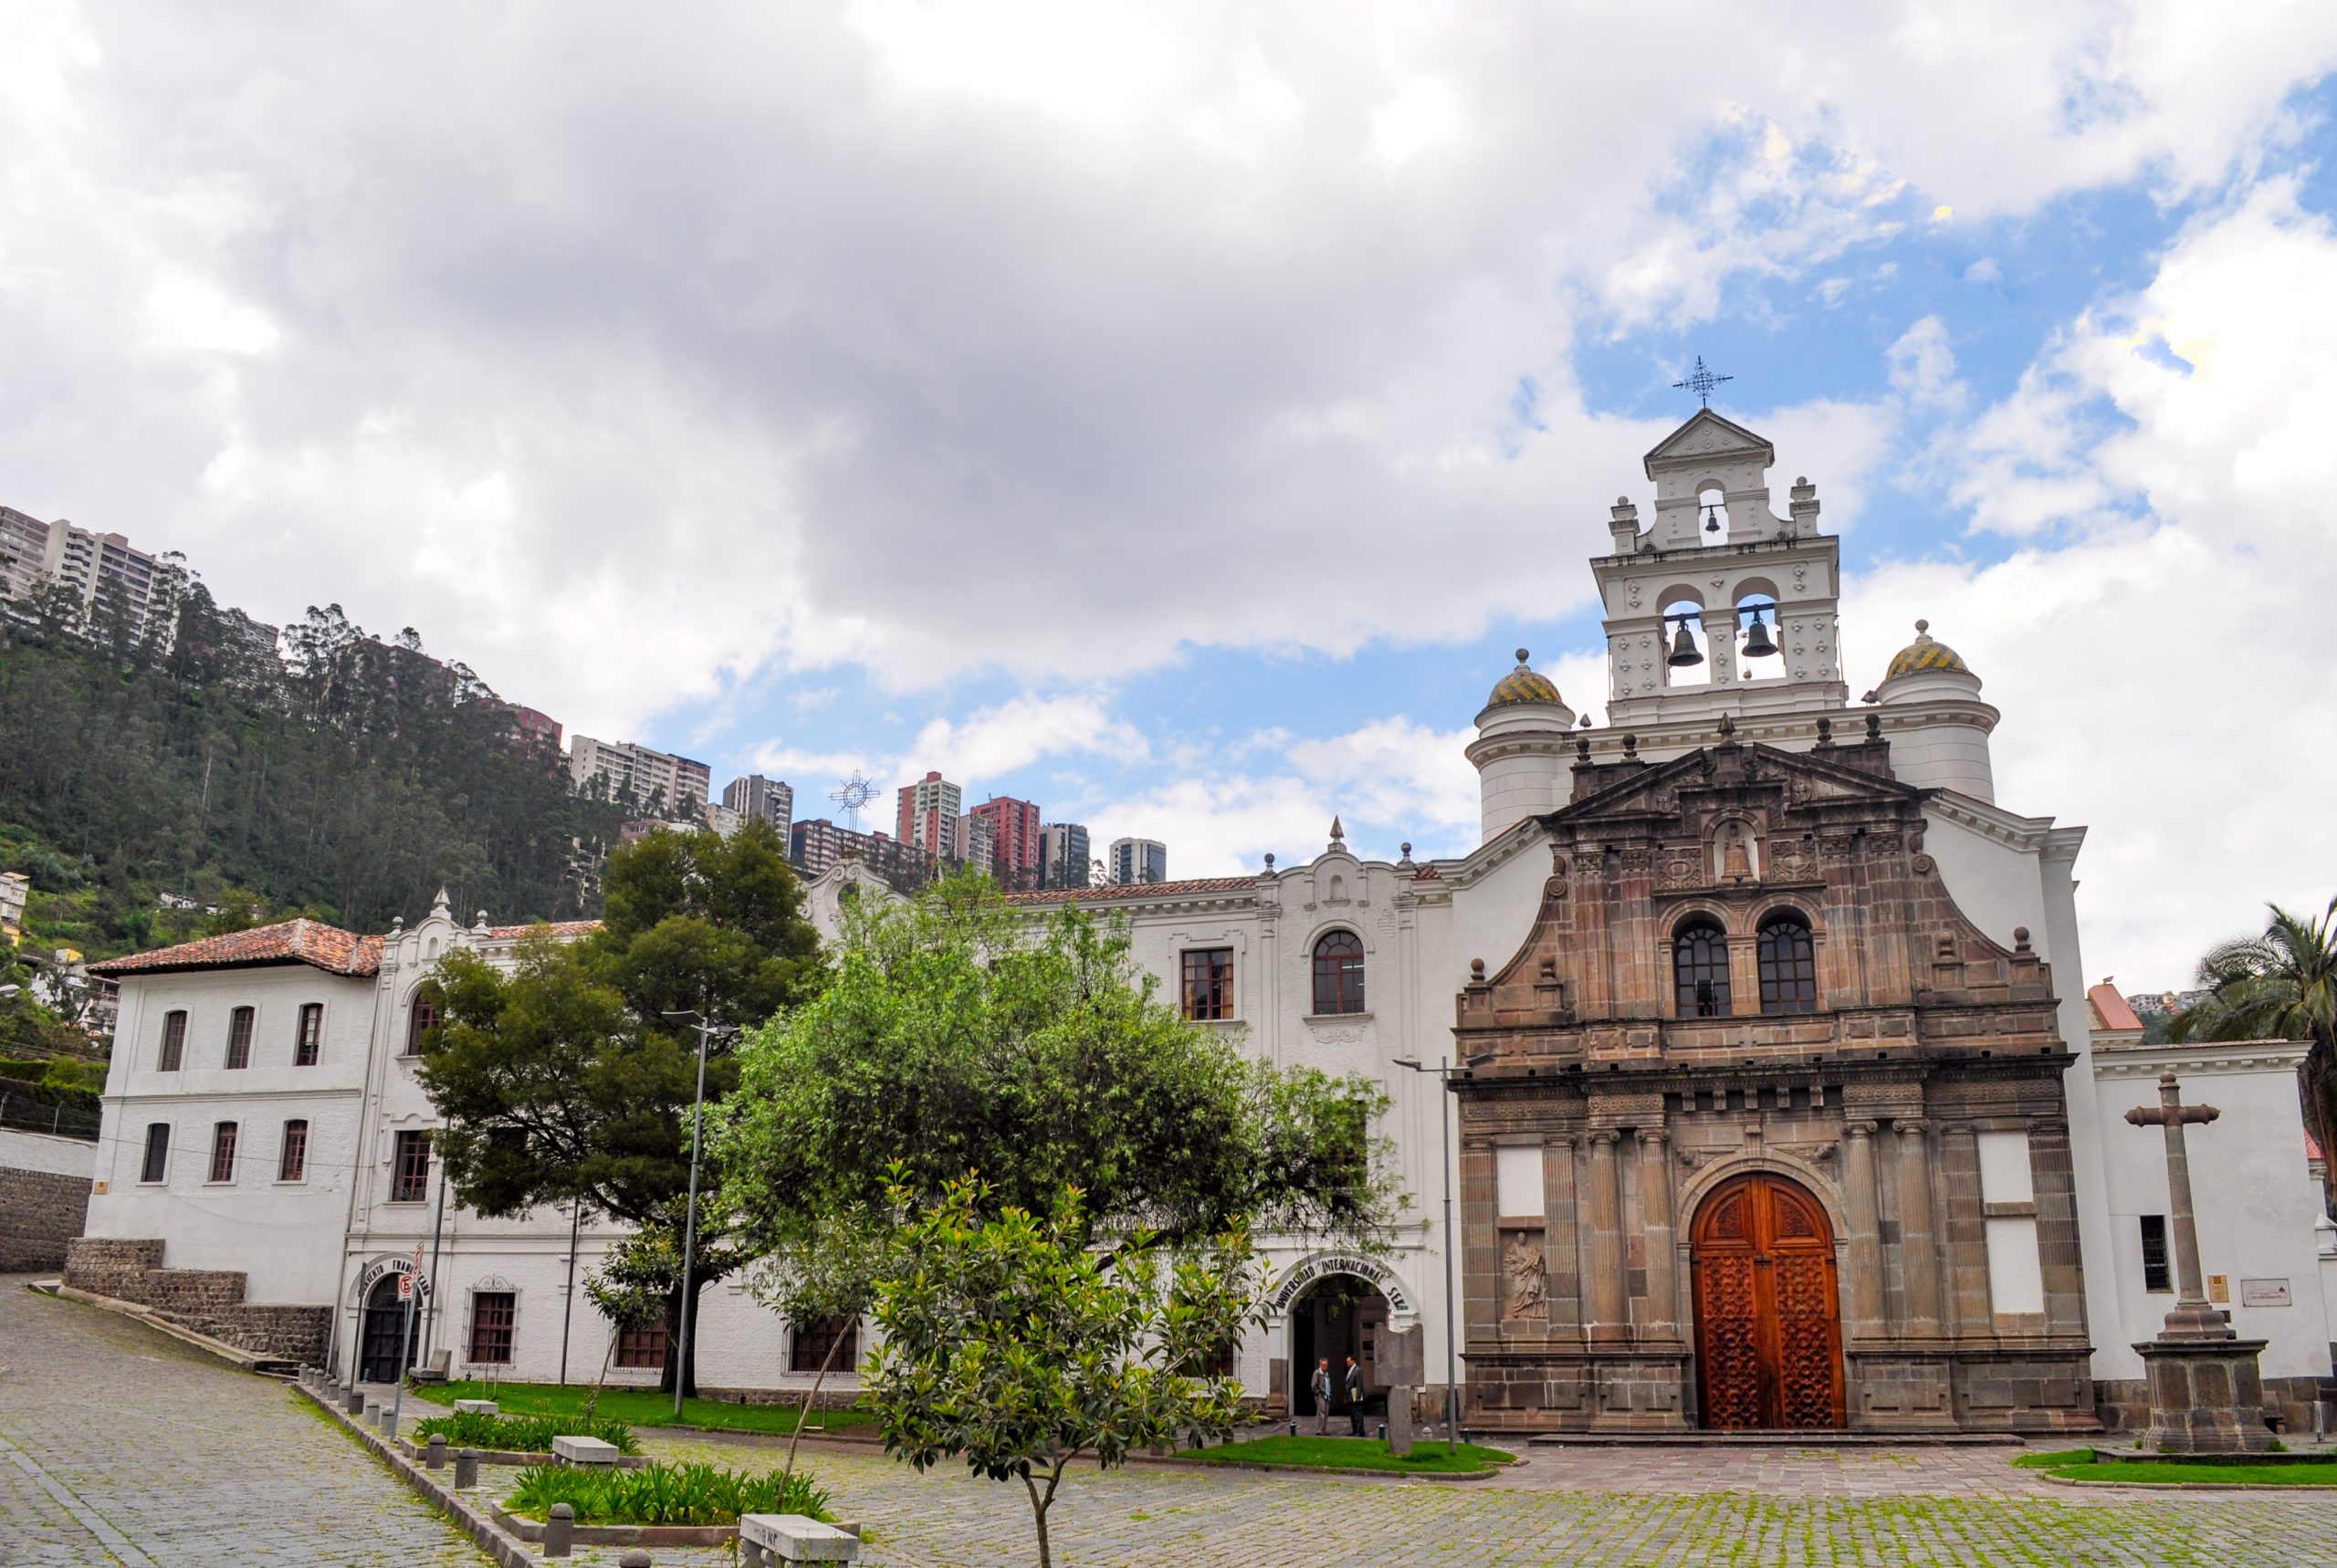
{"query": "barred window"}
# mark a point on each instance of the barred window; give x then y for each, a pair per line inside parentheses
(815, 1340)
(1789, 966)
(410, 1169)
(239, 1037)
(222, 1151)
(1209, 982)
(1338, 973)
(292, 1164)
(642, 1347)
(493, 1315)
(173, 1041)
(1700, 970)
(308, 1041)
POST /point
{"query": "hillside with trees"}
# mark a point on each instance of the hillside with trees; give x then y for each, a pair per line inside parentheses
(347, 779)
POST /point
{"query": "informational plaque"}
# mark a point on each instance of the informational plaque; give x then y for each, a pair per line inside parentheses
(2220, 1287)
(2263, 1292)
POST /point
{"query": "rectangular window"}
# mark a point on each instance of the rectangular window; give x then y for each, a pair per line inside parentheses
(814, 1341)
(222, 1151)
(642, 1347)
(173, 1041)
(418, 1024)
(410, 1169)
(1209, 982)
(493, 1313)
(158, 1150)
(239, 1038)
(2156, 1274)
(308, 1040)
(292, 1165)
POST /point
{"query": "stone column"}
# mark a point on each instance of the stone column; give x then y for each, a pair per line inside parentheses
(1866, 1230)
(1655, 1226)
(1563, 1254)
(1918, 1239)
(1610, 1303)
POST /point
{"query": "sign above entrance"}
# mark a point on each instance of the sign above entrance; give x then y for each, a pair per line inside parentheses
(410, 1278)
(1308, 1271)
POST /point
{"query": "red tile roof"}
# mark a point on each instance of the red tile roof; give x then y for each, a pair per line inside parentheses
(2116, 1016)
(1110, 895)
(329, 947)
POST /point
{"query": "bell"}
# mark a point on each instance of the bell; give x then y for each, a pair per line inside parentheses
(1712, 522)
(1684, 649)
(1757, 643)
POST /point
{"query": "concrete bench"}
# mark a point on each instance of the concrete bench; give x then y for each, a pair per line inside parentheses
(583, 1451)
(795, 1537)
(477, 1407)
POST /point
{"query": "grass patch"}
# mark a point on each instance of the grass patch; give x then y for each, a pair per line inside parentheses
(666, 1494)
(2082, 1464)
(642, 1407)
(517, 1434)
(1355, 1454)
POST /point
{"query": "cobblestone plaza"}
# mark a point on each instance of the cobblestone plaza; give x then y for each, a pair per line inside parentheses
(117, 1445)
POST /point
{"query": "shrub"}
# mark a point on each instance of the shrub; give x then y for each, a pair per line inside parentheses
(522, 1434)
(666, 1494)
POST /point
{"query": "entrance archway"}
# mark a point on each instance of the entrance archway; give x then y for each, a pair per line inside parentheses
(377, 1345)
(1339, 1315)
(1768, 1319)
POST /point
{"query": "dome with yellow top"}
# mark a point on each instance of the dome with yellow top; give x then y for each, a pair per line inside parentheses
(1523, 684)
(1923, 653)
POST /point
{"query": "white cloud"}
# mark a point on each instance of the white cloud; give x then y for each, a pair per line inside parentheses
(1922, 367)
(1014, 734)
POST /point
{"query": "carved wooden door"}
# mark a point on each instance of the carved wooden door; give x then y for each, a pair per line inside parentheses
(1768, 1327)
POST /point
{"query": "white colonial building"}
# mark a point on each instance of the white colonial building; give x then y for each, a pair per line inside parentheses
(1747, 949)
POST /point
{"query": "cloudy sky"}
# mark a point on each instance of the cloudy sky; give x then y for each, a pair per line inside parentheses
(1175, 415)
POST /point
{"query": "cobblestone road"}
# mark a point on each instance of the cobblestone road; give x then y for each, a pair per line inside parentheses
(123, 1448)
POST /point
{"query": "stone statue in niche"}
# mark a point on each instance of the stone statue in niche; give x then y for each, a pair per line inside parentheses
(1738, 853)
(1527, 1276)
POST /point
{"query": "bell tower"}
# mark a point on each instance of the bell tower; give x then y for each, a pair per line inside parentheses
(1722, 607)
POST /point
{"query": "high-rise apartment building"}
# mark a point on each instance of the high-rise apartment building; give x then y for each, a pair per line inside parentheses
(976, 843)
(641, 773)
(1132, 861)
(816, 845)
(927, 815)
(1015, 841)
(102, 571)
(755, 796)
(1062, 855)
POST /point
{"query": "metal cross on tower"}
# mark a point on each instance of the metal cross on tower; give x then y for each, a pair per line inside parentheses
(856, 792)
(1700, 381)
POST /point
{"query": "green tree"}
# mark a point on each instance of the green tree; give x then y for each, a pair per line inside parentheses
(828, 1274)
(572, 1078)
(627, 1289)
(1012, 1342)
(2281, 985)
(954, 1040)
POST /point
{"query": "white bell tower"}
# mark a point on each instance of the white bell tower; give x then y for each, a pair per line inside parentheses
(1717, 561)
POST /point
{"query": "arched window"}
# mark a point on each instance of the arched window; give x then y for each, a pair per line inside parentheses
(1700, 969)
(1338, 973)
(419, 1022)
(1789, 966)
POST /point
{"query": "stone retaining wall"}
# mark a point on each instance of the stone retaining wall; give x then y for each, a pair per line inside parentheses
(2126, 1403)
(208, 1300)
(39, 1214)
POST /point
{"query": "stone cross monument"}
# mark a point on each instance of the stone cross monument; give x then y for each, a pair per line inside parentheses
(2206, 1393)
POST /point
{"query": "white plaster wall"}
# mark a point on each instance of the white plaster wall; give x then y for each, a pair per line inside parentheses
(22, 1151)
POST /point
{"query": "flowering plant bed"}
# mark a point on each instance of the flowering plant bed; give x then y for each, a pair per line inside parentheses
(690, 1495)
(521, 1434)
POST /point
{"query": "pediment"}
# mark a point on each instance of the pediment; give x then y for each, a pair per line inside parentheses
(1707, 435)
(1804, 779)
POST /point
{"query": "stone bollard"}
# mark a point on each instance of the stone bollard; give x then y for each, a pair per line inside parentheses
(466, 1469)
(560, 1530)
(390, 1425)
(634, 1557)
(436, 1457)
(371, 1415)
(353, 1401)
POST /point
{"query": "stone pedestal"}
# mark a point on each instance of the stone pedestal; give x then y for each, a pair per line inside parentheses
(2206, 1396)
(1400, 1420)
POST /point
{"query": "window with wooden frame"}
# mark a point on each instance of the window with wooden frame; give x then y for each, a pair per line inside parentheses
(1700, 970)
(1209, 982)
(222, 1151)
(174, 1049)
(420, 1020)
(410, 1169)
(239, 1036)
(308, 1039)
(494, 1315)
(1338, 973)
(642, 1347)
(292, 1161)
(814, 1342)
(158, 1151)
(1789, 966)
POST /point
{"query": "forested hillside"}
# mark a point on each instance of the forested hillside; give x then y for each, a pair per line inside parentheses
(347, 780)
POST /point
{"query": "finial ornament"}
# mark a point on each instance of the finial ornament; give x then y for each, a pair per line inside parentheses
(1522, 655)
(1338, 833)
(1270, 859)
(1701, 380)
(1921, 627)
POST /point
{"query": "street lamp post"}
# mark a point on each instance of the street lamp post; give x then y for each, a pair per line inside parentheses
(1444, 1072)
(689, 1223)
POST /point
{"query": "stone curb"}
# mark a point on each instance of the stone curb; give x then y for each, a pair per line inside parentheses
(235, 1355)
(1355, 1471)
(527, 1529)
(507, 1550)
(415, 1448)
(2083, 1485)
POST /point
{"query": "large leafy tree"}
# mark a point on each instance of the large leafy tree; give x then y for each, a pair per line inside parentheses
(955, 1039)
(1012, 1344)
(2280, 984)
(573, 1077)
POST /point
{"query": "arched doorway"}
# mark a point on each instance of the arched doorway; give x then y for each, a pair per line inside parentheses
(1340, 1315)
(377, 1344)
(1768, 1322)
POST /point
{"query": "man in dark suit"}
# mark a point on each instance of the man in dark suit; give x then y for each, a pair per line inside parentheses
(1355, 1398)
